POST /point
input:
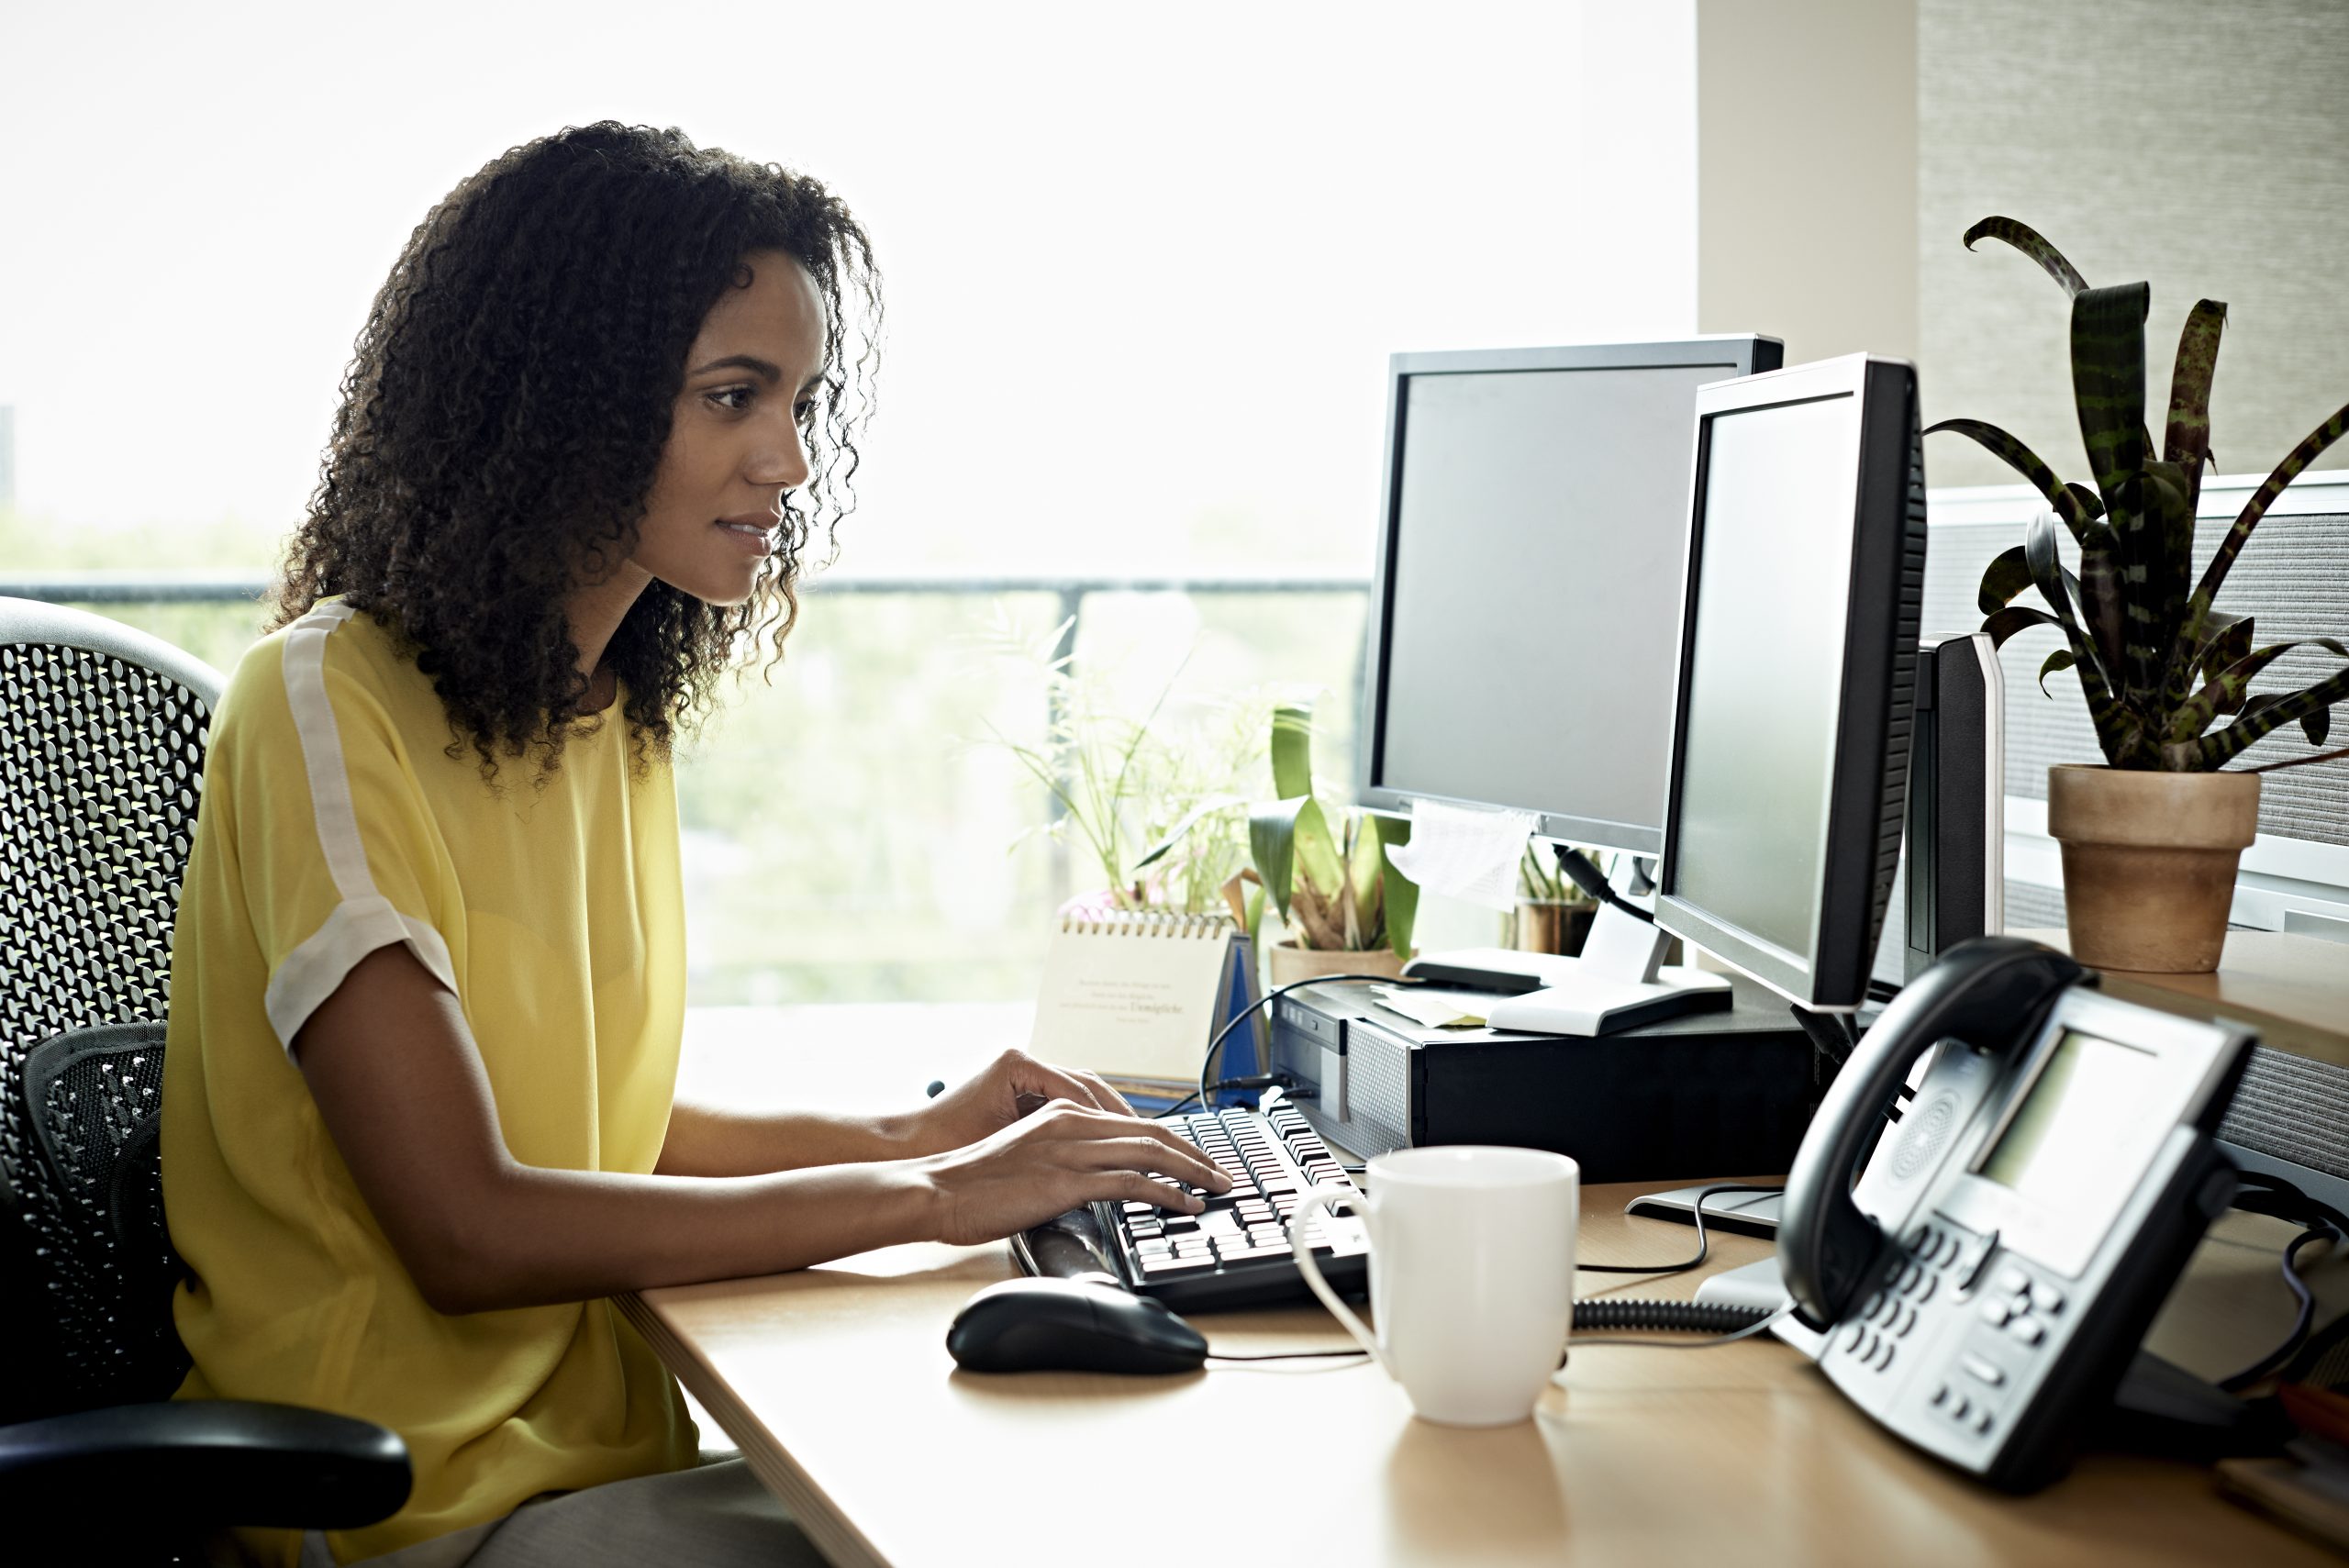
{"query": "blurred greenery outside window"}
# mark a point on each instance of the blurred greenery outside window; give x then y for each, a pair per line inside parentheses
(853, 827)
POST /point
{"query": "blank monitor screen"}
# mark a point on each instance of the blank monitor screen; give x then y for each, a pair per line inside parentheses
(1766, 665)
(1537, 522)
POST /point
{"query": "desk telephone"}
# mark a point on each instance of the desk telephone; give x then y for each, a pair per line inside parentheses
(2031, 1211)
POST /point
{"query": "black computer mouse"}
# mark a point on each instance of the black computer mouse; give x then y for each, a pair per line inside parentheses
(1063, 1325)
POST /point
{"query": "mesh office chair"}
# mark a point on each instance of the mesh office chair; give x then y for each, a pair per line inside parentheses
(102, 734)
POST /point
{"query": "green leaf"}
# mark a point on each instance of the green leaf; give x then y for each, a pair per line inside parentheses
(2109, 384)
(1365, 860)
(1402, 893)
(2227, 691)
(2027, 240)
(2155, 537)
(2067, 499)
(2004, 624)
(1210, 807)
(2316, 724)
(2214, 575)
(2059, 659)
(2118, 732)
(1293, 750)
(2213, 751)
(1272, 847)
(2005, 577)
(2187, 441)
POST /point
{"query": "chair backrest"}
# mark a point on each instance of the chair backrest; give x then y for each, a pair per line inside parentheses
(102, 737)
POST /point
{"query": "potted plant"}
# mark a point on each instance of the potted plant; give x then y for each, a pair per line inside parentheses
(1553, 914)
(1346, 908)
(2151, 838)
(1149, 798)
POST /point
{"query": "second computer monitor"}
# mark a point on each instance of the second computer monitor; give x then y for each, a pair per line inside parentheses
(1527, 597)
(1795, 674)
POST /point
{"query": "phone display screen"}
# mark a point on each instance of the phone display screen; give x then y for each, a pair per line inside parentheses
(2087, 1129)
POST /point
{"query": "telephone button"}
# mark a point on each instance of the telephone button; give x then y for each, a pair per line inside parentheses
(1882, 1359)
(1981, 1422)
(1962, 1409)
(2013, 1281)
(1852, 1340)
(1942, 1393)
(2047, 1298)
(2027, 1329)
(1983, 1369)
(1874, 1304)
(1949, 1250)
(1925, 1288)
(1921, 1239)
(1996, 1312)
(1909, 1274)
(1891, 1313)
(1908, 1321)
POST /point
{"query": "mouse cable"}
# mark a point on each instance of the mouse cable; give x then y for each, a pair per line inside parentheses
(1215, 1046)
(1704, 1242)
(2263, 1194)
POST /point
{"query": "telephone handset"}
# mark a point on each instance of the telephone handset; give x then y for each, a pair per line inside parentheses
(1988, 1280)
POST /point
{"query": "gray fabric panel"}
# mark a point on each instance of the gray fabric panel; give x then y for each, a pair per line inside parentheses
(2293, 577)
(2209, 164)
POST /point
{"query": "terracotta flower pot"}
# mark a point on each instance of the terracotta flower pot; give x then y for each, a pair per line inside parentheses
(1291, 962)
(2149, 862)
(1551, 924)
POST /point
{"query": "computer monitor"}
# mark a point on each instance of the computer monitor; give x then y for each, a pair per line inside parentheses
(1795, 674)
(1523, 621)
(1526, 595)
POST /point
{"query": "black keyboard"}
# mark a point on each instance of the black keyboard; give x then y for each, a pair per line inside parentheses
(1235, 1252)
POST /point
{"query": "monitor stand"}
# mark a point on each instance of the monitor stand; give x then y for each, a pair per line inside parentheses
(1619, 983)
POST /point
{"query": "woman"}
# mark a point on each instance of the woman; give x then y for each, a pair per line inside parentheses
(428, 972)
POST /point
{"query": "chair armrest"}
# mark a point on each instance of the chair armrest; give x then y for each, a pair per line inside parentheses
(210, 1462)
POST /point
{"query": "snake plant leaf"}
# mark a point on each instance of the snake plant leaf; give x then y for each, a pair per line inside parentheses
(2028, 240)
(2005, 577)
(2212, 751)
(2003, 624)
(2117, 732)
(1402, 893)
(2156, 542)
(1365, 901)
(2059, 659)
(2091, 504)
(2066, 498)
(2316, 724)
(1206, 809)
(2228, 690)
(2214, 575)
(2101, 595)
(2109, 384)
(2187, 441)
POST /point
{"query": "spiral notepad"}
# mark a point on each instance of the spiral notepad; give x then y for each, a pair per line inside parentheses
(1136, 996)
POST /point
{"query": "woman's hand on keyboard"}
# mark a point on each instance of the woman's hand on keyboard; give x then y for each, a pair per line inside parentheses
(1014, 1085)
(1058, 1159)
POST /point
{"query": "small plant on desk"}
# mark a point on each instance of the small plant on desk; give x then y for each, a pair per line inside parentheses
(1324, 869)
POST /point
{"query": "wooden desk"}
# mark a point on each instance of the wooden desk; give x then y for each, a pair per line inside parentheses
(835, 1383)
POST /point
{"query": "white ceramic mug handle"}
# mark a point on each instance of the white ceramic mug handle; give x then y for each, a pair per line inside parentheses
(1317, 1201)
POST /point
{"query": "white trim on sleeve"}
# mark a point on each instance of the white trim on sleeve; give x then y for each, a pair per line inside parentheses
(365, 920)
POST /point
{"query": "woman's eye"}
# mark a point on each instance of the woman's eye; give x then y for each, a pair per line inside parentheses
(735, 398)
(806, 409)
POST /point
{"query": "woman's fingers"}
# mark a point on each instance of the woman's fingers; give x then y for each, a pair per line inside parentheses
(1030, 1077)
(1107, 1142)
(1107, 1099)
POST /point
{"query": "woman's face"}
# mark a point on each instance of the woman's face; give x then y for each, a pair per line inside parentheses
(735, 439)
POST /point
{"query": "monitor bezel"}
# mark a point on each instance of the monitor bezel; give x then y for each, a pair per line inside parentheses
(1868, 774)
(1754, 352)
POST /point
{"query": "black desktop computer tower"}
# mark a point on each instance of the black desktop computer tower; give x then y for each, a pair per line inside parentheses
(1713, 1094)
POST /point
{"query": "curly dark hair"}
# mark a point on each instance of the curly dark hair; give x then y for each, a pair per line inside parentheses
(507, 403)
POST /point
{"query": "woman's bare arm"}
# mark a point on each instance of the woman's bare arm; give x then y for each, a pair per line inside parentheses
(401, 1088)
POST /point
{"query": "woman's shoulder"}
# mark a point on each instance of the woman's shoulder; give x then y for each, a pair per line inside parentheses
(330, 653)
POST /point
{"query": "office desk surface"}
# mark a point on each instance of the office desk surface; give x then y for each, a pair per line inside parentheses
(835, 1383)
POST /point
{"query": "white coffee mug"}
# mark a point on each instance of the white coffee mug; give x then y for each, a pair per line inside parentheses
(1471, 1275)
